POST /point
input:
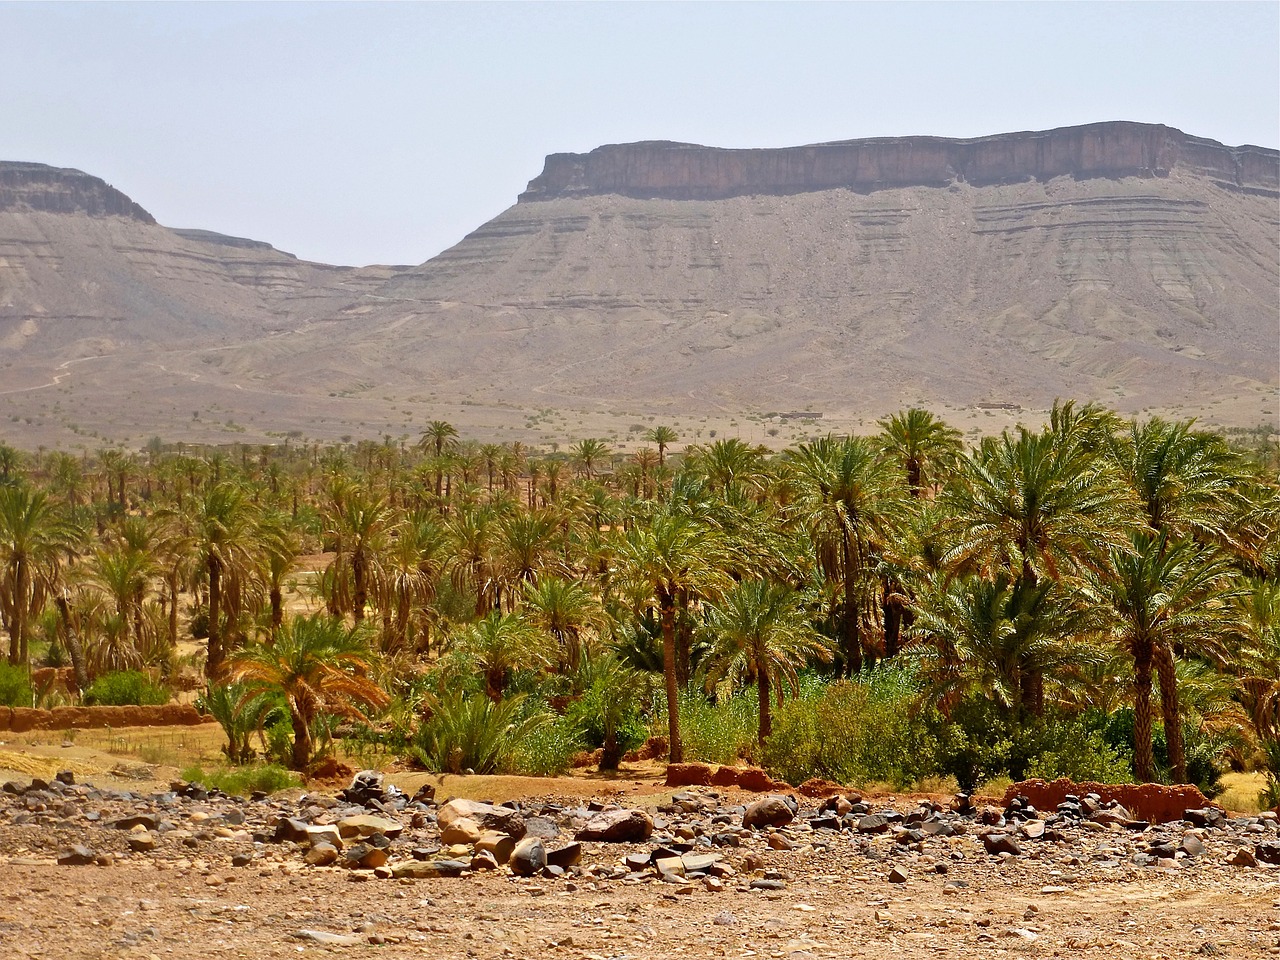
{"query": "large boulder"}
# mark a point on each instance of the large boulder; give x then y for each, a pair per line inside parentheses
(488, 816)
(770, 811)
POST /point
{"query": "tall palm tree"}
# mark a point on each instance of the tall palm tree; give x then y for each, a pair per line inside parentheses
(759, 632)
(849, 502)
(320, 666)
(588, 453)
(407, 580)
(670, 555)
(223, 525)
(922, 444)
(35, 541)
(1165, 593)
(1036, 506)
(527, 543)
(662, 437)
(358, 521)
(439, 437)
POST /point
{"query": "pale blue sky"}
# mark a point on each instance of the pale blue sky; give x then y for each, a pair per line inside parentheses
(360, 133)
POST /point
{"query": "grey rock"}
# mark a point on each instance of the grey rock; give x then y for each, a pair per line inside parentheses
(76, 856)
(998, 843)
(898, 875)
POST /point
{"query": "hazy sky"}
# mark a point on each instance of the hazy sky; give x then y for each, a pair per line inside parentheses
(359, 133)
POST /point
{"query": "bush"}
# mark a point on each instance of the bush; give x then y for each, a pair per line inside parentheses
(722, 732)
(980, 742)
(856, 732)
(125, 688)
(15, 686)
(242, 781)
(475, 733)
(547, 750)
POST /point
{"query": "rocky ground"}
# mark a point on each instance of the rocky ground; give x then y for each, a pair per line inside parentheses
(97, 872)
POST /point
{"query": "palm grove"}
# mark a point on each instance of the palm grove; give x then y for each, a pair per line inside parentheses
(1098, 597)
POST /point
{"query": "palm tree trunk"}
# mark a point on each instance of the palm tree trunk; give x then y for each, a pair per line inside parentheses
(683, 641)
(361, 594)
(171, 581)
(301, 741)
(72, 640)
(1143, 761)
(213, 662)
(766, 706)
(666, 603)
(21, 607)
(850, 638)
(1172, 713)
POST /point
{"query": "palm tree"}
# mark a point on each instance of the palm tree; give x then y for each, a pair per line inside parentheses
(1036, 506)
(588, 453)
(34, 541)
(1186, 481)
(727, 463)
(998, 638)
(223, 525)
(124, 573)
(566, 610)
(670, 555)
(407, 579)
(663, 437)
(500, 644)
(527, 543)
(922, 444)
(849, 503)
(439, 437)
(358, 522)
(759, 632)
(319, 666)
(1165, 593)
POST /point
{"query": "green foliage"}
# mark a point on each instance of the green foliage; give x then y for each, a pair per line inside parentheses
(475, 733)
(723, 732)
(1269, 797)
(243, 781)
(15, 688)
(857, 732)
(125, 688)
(548, 749)
(240, 715)
(1205, 750)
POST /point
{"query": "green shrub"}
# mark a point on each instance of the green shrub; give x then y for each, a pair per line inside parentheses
(125, 688)
(242, 781)
(15, 687)
(722, 732)
(547, 750)
(240, 717)
(858, 732)
(475, 733)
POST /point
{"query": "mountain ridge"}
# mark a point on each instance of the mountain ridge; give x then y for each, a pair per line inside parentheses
(1149, 288)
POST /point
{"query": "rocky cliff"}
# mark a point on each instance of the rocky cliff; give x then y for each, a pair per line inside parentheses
(685, 171)
(44, 189)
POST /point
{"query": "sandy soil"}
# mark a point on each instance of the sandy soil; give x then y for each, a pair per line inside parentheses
(837, 902)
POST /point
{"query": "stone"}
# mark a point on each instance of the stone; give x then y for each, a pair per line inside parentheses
(365, 856)
(493, 842)
(1191, 845)
(768, 885)
(1001, 843)
(289, 829)
(770, 811)
(617, 826)
(148, 821)
(321, 854)
(76, 856)
(1212, 817)
(699, 862)
(528, 857)
(365, 825)
(566, 856)
(508, 820)
(143, 842)
(874, 823)
(330, 939)
(777, 841)
(484, 860)
(427, 869)
(1267, 852)
(1243, 858)
(465, 830)
(326, 833)
(1032, 829)
(898, 875)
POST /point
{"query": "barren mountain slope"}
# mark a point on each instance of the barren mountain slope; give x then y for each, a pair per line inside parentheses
(1140, 280)
(1126, 263)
